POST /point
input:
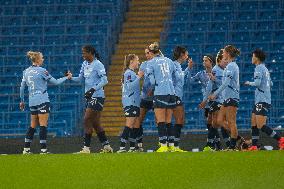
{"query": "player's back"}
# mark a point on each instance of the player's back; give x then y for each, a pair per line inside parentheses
(178, 81)
(36, 79)
(232, 91)
(262, 92)
(161, 69)
(146, 82)
(218, 72)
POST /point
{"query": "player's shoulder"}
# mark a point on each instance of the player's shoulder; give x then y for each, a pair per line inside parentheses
(129, 74)
(98, 63)
(232, 66)
(216, 67)
(261, 67)
(168, 59)
(143, 65)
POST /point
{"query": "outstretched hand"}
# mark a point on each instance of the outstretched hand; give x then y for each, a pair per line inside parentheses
(212, 97)
(202, 105)
(22, 106)
(190, 63)
(68, 74)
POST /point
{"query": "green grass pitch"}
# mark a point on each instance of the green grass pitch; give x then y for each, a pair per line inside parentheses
(240, 170)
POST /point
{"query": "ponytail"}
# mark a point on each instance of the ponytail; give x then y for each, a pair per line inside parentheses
(33, 55)
(127, 60)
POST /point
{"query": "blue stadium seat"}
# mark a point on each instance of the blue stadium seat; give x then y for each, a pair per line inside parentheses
(212, 25)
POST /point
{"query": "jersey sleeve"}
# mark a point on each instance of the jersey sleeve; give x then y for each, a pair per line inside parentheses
(22, 88)
(103, 77)
(131, 80)
(45, 75)
(230, 72)
(80, 76)
(150, 74)
(143, 67)
(258, 74)
(101, 70)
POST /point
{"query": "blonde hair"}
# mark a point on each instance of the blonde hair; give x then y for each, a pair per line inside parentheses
(33, 55)
(155, 48)
(232, 50)
(219, 56)
(127, 60)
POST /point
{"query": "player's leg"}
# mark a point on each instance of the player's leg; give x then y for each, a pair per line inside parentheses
(231, 116)
(88, 130)
(169, 129)
(254, 133)
(96, 123)
(43, 122)
(125, 135)
(261, 118)
(215, 127)
(139, 128)
(178, 114)
(222, 122)
(30, 133)
(130, 121)
(160, 114)
(210, 145)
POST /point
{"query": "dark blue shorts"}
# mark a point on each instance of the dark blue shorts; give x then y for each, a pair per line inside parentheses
(131, 111)
(214, 106)
(164, 101)
(261, 108)
(95, 103)
(146, 104)
(43, 108)
(178, 101)
(231, 102)
(206, 112)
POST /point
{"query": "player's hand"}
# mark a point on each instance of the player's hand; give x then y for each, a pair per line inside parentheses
(150, 92)
(140, 74)
(89, 93)
(22, 106)
(190, 63)
(202, 105)
(212, 97)
(212, 76)
(68, 74)
(246, 83)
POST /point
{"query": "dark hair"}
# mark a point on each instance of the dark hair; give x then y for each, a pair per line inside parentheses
(127, 60)
(211, 58)
(219, 56)
(91, 49)
(178, 51)
(232, 50)
(260, 54)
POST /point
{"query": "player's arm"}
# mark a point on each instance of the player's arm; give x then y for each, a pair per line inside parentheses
(103, 78)
(80, 77)
(132, 81)
(206, 95)
(101, 84)
(229, 75)
(46, 76)
(22, 95)
(59, 81)
(188, 73)
(150, 75)
(257, 79)
(22, 89)
(208, 90)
